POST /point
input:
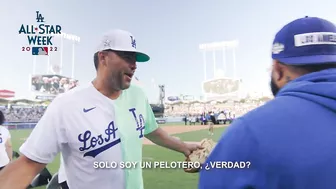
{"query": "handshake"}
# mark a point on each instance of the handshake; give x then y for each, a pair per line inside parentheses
(200, 155)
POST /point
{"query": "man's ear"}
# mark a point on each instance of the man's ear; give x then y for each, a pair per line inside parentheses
(278, 70)
(101, 58)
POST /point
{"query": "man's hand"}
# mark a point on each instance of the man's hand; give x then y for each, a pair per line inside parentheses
(161, 138)
(190, 148)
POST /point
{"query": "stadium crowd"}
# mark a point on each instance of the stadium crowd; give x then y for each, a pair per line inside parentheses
(197, 108)
(190, 110)
(23, 113)
(197, 112)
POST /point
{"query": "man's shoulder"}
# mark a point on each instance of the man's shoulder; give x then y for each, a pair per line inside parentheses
(274, 115)
(4, 129)
(268, 110)
(135, 92)
(73, 96)
(136, 88)
(275, 108)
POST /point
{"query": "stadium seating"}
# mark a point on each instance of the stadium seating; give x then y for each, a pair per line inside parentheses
(23, 113)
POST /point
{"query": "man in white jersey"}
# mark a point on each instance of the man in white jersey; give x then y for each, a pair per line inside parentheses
(103, 121)
(6, 151)
(62, 180)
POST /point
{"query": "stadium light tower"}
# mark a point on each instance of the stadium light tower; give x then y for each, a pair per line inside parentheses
(63, 36)
(215, 46)
(34, 65)
(162, 94)
(75, 40)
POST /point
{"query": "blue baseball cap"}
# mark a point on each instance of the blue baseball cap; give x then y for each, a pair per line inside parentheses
(305, 41)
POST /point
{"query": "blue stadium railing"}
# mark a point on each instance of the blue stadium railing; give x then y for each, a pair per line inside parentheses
(20, 125)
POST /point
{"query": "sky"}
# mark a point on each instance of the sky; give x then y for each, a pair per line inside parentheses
(169, 31)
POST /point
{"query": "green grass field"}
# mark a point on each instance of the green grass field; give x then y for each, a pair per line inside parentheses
(153, 178)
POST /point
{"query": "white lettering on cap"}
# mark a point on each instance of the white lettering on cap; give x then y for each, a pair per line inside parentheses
(316, 38)
(278, 48)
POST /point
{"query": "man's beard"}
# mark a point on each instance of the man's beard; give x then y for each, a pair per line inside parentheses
(117, 82)
(274, 88)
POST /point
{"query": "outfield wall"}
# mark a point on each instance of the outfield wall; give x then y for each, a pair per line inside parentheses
(13, 126)
(31, 125)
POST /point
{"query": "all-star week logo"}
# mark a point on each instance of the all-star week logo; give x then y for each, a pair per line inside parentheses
(40, 36)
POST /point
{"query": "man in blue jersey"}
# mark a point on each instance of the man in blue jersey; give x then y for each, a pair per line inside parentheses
(288, 143)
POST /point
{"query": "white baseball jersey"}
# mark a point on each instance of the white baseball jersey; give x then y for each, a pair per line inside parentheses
(61, 172)
(4, 136)
(81, 125)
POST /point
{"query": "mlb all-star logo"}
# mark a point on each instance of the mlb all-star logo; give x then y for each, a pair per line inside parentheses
(107, 43)
(94, 145)
(40, 35)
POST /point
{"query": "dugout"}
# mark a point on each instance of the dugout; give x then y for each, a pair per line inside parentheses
(158, 110)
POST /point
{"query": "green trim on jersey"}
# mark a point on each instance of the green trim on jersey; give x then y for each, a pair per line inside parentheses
(134, 111)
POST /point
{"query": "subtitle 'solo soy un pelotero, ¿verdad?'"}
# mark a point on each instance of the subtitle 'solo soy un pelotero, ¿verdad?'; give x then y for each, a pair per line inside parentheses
(172, 165)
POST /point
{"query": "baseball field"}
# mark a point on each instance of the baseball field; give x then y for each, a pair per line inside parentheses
(153, 178)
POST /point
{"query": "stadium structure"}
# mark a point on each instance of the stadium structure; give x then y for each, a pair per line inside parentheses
(220, 86)
(59, 77)
(158, 109)
(51, 75)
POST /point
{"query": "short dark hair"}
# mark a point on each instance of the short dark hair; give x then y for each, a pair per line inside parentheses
(122, 54)
(317, 67)
(95, 60)
(310, 68)
(2, 118)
